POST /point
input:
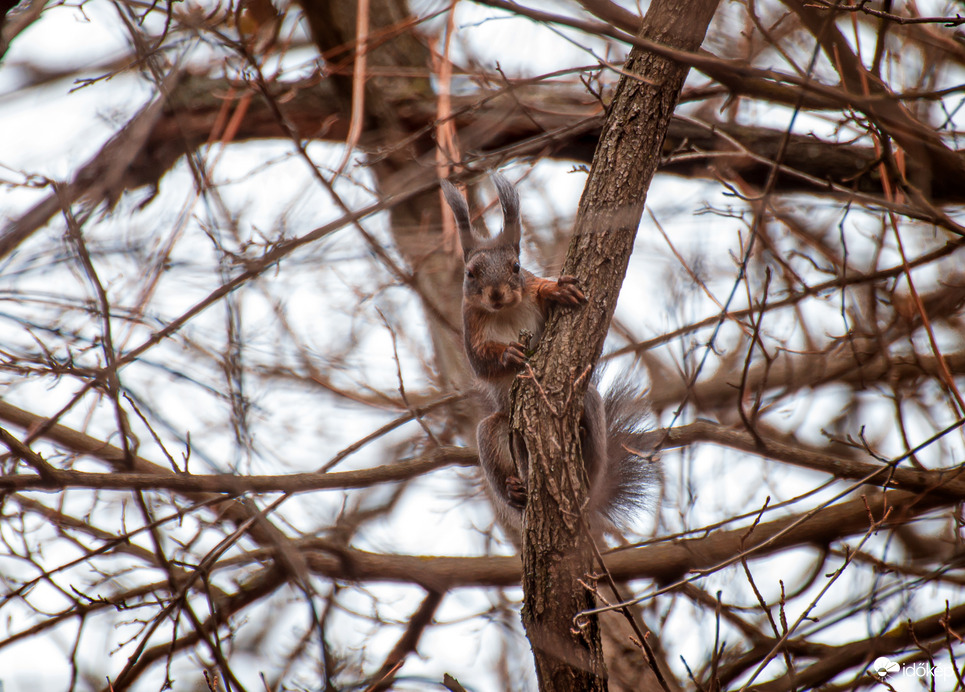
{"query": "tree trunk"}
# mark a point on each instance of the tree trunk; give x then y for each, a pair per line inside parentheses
(557, 556)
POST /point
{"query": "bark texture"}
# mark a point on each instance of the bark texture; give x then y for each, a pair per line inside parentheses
(557, 555)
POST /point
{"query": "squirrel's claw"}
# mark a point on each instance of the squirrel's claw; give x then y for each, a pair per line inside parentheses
(568, 291)
(516, 491)
(515, 354)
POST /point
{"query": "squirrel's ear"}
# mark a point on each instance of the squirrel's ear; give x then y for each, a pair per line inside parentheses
(509, 201)
(460, 210)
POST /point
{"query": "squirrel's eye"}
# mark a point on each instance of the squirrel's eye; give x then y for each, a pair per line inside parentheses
(516, 266)
(469, 273)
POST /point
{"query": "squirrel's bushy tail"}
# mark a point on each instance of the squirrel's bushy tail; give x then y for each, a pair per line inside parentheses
(632, 481)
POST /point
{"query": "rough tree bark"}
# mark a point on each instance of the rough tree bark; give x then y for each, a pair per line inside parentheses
(557, 554)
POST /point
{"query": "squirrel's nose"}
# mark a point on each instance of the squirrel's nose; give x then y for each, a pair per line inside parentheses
(497, 297)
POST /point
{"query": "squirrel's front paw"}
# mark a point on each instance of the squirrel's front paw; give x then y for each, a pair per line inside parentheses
(516, 492)
(567, 292)
(514, 354)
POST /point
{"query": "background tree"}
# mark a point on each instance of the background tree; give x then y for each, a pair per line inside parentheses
(237, 411)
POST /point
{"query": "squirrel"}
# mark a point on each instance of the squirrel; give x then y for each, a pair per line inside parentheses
(504, 309)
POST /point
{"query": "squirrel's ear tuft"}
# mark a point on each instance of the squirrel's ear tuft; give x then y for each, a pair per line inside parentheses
(460, 210)
(509, 201)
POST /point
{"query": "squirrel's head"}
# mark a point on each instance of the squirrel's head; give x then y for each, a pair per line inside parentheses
(493, 280)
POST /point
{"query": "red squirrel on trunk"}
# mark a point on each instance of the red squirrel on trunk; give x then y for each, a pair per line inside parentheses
(502, 305)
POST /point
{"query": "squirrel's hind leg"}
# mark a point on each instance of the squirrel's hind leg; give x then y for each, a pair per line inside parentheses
(506, 487)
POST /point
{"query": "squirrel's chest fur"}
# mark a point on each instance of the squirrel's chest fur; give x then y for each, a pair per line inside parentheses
(502, 327)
